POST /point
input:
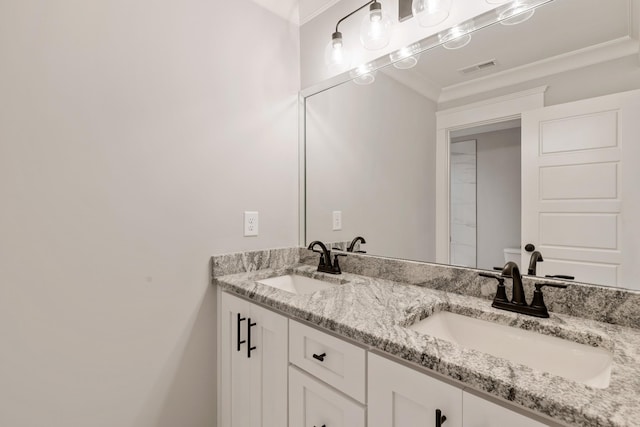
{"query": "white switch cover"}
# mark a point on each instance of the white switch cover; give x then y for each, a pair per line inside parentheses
(250, 223)
(337, 220)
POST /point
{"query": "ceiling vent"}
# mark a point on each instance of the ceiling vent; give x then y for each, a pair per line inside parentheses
(478, 67)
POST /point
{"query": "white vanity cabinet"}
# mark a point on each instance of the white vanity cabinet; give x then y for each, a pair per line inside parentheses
(254, 362)
(326, 379)
(403, 397)
(478, 412)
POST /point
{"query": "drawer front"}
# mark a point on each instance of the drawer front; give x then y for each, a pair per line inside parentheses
(336, 362)
(315, 404)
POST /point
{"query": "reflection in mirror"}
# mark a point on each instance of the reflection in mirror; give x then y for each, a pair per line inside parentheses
(371, 149)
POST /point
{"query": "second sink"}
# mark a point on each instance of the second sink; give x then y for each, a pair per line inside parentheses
(579, 362)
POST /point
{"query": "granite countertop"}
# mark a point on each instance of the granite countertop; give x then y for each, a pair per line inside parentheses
(377, 313)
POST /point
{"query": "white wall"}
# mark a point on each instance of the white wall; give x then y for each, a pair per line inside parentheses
(371, 154)
(132, 136)
(316, 34)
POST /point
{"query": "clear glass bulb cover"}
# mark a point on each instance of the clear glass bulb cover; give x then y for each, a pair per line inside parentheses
(406, 58)
(336, 57)
(456, 37)
(365, 79)
(375, 30)
(431, 12)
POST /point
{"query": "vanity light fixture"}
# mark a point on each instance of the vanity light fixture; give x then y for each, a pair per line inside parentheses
(456, 37)
(406, 58)
(431, 12)
(518, 12)
(375, 33)
(365, 74)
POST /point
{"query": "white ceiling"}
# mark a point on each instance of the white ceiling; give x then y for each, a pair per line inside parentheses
(297, 11)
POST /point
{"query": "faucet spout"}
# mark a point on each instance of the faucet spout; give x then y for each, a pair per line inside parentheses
(536, 257)
(325, 265)
(511, 269)
(352, 246)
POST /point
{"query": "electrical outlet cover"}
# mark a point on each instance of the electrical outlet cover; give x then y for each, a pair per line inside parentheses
(250, 223)
(337, 220)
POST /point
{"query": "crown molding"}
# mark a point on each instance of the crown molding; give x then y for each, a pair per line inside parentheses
(607, 51)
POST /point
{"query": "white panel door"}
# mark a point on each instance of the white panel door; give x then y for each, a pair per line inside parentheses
(254, 365)
(580, 200)
(477, 412)
(402, 397)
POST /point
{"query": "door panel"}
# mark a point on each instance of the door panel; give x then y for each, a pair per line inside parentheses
(579, 199)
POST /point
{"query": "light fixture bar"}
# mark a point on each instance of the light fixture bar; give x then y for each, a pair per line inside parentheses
(404, 10)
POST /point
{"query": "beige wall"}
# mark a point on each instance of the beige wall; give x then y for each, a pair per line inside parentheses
(133, 134)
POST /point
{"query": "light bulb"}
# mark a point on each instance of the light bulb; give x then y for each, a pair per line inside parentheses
(336, 55)
(517, 13)
(375, 30)
(431, 12)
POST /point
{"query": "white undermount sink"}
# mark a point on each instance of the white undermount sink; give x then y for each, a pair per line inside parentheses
(295, 284)
(582, 363)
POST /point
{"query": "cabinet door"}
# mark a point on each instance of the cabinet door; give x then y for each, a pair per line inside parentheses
(478, 412)
(268, 368)
(254, 362)
(313, 403)
(235, 377)
(402, 397)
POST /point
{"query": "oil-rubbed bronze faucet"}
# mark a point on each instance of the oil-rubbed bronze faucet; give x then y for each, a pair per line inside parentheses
(325, 265)
(352, 246)
(518, 303)
(536, 257)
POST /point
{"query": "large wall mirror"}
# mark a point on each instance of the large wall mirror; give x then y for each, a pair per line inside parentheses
(430, 164)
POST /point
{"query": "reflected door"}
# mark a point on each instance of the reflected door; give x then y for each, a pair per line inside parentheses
(579, 188)
(463, 204)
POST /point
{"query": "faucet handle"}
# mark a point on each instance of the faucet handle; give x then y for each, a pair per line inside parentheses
(539, 286)
(501, 292)
(538, 298)
(336, 264)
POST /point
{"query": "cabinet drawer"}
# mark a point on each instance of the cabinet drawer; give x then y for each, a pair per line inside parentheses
(336, 362)
(477, 412)
(315, 404)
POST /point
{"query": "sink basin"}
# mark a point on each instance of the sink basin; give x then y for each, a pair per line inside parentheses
(299, 285)
(582, 363)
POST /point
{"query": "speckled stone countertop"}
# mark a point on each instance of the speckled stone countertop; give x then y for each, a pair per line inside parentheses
(377, 312)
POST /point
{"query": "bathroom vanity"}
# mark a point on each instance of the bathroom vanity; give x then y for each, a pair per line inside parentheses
(355, 352)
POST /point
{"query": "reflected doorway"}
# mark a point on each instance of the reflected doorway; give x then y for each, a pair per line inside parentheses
(485, 195)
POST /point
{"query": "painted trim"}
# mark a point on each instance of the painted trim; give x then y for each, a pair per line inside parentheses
(591, 55)
(302, 172)
(480, 113)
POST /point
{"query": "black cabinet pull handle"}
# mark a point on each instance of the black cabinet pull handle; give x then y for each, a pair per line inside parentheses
(240, 319)
(249, 348)
(319, 357)
(440, 419)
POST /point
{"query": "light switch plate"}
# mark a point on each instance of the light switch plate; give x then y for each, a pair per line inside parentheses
(250, 223)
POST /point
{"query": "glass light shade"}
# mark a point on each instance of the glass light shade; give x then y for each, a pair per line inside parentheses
(363, 75)
(375, 30)
(336, 57)
(406, 57)
(431, 12)
(455, 37)
(516, 14)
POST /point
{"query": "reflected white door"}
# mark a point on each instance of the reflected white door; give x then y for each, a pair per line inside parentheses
(580, 178)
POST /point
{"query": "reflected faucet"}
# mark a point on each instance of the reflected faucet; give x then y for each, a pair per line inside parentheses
(353, 245)
(536, 257)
